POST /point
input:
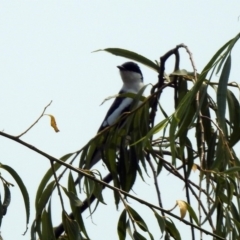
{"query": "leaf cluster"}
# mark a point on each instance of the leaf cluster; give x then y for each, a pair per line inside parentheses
(200, 134)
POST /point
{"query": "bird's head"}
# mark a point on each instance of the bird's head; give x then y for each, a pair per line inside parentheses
(130, 73)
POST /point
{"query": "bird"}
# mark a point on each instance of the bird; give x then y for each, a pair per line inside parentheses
(132, 79)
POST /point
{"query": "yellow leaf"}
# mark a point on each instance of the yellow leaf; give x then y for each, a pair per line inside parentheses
(53, 122)
(194, 167)
(183, 208)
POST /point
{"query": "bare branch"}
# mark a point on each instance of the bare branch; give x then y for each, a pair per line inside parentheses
(20, 135)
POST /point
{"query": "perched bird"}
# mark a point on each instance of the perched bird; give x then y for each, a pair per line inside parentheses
(132, 82)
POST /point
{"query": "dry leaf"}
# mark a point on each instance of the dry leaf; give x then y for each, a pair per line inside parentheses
(194, 167)
(183, 208)
(53, 122)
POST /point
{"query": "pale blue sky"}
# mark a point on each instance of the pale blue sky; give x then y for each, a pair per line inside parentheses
(45, 54)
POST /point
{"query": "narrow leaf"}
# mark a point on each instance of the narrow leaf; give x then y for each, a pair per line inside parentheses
(71, 227)
(138, 236)
(171, 228)
(161, 221)
(53, 122)
(122, 225)
(7, 198)
(72, 197)
(47, 228)
(222, 93)
(48, 175)
(44, 198)
(22, 187)
(131, 55)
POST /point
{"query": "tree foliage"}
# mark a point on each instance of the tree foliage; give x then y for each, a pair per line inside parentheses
(201, 134)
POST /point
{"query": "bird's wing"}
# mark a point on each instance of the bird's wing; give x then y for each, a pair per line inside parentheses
(118, 107)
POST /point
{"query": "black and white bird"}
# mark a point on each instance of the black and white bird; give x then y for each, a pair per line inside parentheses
(132, 82)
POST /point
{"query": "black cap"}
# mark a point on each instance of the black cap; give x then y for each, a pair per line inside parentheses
(130, 66)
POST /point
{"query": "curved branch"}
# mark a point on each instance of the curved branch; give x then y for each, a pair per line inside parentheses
(20, 135)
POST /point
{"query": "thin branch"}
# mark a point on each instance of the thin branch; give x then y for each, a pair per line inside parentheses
(168, 166)
(160, 85)
(188, 195)
(203, 208)
(191, 185)
(85, 204)
(200, 122)
(20, 135)
(129, 214)
(57, 184)
(155, 182)
(230, 84)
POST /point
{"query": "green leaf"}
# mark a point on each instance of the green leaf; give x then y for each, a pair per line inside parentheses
(7, 198)
(89, 188)
(161, 221)
(157, 128)
(129, 230)
(211, 150)
(234, 118)
(192, 213)
(221, 155)
(122, 225)
(47, 228)
(190, 158)
(72, 197)
(232, 170)
(71, 227)
(48, 175)
(216, 58)
(76, 210)
(139, 221)
(222, 93)
(138, 236)
(131, 55)
(228, 51)
(179, 72)
(172, 130)
(235, 213)
(210, 212)
(1, 211)
(98, 192)
(33, 231)
(172, 230)
(205, 109)
(22, 187)
(44, 198)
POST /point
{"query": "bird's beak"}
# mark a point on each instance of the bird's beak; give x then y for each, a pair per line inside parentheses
(120, 67)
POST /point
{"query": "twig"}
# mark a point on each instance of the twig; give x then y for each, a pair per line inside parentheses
(129, 214)
(20, 135)
(58, 188)
(160, 85)
(202, 137)
(85, 204)
(168, 166)
(203, 208)
(191, 185)
(155, 182)
(187, 194)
